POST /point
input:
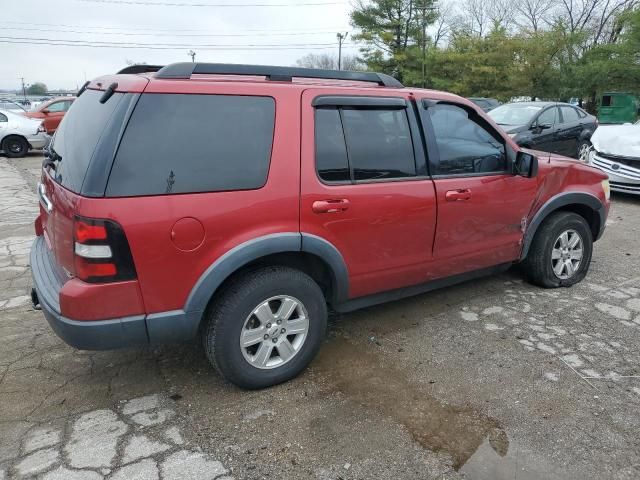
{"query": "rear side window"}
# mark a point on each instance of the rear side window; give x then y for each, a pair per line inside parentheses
(363, 144)
(3, 118)
(78, 135)
(569, 114)
(178, 143)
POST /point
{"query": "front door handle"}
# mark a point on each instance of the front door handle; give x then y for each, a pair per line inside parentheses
(330, 206)
(461, 194)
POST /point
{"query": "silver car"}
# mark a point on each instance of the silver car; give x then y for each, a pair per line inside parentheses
(19, 134)
(616, 151)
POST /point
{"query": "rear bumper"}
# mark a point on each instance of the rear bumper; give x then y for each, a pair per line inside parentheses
(39, 141)
(85, 335)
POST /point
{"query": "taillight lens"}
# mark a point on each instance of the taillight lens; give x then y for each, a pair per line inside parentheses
(101, 251)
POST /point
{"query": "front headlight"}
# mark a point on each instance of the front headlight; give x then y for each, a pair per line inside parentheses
(606, 189)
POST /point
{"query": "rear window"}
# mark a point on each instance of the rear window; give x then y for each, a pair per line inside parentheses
(180, 143)
(78, 135)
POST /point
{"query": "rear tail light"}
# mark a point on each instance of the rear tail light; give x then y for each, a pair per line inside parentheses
(101, 251)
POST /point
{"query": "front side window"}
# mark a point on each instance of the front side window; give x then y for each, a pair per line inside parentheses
(58, 107)
(548, 117)
(464, 145)
(180, 143)
(363, 144)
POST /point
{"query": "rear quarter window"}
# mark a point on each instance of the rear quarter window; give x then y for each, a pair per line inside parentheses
(181, 143)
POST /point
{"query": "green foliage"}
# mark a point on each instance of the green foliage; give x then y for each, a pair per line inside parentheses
(37, 89)
(556, 63)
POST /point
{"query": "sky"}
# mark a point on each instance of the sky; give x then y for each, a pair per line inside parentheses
(271, 32)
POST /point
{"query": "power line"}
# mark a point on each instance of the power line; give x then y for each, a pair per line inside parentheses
(151, 47)
(145, 27)
(138, 34)
(180, 45)
(225, 5)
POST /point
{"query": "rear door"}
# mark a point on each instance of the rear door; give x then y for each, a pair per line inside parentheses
(365, 187)
(569, 131)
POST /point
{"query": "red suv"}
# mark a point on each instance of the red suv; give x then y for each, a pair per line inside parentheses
(237, 203)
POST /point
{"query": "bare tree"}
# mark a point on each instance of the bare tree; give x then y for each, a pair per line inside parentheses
(329, 61)
(534, 14)
(442, 26)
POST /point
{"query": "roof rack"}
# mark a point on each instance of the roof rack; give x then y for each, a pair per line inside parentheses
(133, 69)
(184, 70)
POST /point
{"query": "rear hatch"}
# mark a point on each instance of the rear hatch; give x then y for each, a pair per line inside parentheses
(79, 161)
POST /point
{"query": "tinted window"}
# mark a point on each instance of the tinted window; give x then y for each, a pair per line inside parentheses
(569, 114)
(194, 143)
(378, 143)
(331, 150)
(78, 135)
(548, 117)
(465, 146)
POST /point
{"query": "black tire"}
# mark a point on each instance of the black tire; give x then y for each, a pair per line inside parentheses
(233, 306)
(538, 265)
(15, 147)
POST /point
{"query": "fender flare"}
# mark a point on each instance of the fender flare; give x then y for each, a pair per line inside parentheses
(555, 203)
(184, 324)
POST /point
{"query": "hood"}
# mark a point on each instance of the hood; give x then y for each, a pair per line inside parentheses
(619, 140)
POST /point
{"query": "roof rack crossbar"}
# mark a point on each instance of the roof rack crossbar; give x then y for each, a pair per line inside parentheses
(133, 69)
(184, 70)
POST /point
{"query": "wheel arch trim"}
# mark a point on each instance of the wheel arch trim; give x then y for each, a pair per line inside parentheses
(557, 202)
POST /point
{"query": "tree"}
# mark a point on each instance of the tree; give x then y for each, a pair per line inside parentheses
(328, 61)
(37, 88)
(389, 30)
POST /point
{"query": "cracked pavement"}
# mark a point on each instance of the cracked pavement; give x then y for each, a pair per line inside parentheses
(492, 379)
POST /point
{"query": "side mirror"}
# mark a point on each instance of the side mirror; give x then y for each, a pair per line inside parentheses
(526, 165)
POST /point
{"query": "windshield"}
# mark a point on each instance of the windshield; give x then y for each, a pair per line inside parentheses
(514, 114)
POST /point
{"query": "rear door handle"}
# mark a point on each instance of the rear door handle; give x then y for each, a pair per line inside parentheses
(330, 206)
(458, 195)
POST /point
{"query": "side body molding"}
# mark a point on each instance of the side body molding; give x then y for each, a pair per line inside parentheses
(183, 324)
(559, 201)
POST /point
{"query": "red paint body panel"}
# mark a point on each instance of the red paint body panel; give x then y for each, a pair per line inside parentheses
(391, 235)
(86, 301)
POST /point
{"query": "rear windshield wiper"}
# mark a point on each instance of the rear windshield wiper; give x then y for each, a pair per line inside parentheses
(108, 93)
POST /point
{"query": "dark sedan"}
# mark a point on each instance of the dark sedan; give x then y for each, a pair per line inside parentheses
(548, 126)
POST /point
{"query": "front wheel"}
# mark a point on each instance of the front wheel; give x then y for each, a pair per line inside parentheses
(561, 251)
(266, 327)
(15, 147)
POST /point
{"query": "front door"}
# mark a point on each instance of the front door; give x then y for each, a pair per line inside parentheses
(545, 131)
(365, 188)
(482, 206)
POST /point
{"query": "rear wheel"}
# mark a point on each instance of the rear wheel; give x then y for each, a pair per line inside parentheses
(561, 251)
(266, 327)
(15, 147)
(583, 150)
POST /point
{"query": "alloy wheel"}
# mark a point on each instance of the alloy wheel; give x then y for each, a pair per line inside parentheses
(566, 255)
(274, 332)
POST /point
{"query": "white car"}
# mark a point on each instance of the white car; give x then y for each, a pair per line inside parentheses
(616, 151)
(19, 134)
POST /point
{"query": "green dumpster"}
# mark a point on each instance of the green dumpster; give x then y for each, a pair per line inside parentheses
(617, 107)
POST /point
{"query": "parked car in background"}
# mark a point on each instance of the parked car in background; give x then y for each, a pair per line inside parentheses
(256, 221)
(19, 134)
(618, 107)
(486, 104)
(616, 151)
(10, 105)
(52, 112)
(548, 126)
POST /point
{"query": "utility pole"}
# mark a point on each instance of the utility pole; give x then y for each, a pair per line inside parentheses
(341, 38)
(24, 91)
(424, 9)
(192, 54)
